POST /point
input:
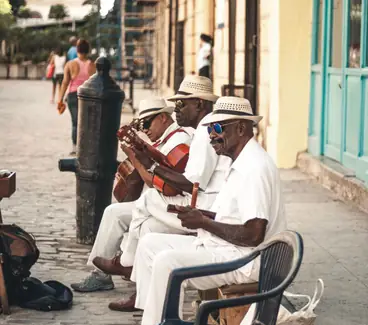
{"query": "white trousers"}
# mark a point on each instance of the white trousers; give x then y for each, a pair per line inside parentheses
(113, 229)
(114, 223)
(151, 207)
(159, 254)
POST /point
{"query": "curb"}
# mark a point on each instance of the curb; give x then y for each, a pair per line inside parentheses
(333, 176)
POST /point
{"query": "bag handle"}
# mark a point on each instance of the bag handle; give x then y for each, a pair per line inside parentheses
(317, 297)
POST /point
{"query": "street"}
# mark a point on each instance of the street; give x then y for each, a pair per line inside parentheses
(34, 137)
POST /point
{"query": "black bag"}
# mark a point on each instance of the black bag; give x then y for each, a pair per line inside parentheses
(19, 254)
(47, 296)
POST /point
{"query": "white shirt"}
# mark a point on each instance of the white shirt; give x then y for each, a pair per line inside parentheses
(176, 139)
(252, 189)
(59, 62)
(204, 165)
(203, 56)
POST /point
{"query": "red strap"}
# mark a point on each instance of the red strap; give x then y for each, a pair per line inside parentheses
(167, 138)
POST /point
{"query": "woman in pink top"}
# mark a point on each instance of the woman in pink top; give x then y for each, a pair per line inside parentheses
(76, 72)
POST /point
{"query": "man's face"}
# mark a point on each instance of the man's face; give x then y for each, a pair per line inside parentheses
(225, 136)
(186, 111)
(155, 126)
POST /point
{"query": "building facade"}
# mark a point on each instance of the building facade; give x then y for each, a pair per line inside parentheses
(301, 63)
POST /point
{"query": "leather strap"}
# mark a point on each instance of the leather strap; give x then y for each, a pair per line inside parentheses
(167, 138)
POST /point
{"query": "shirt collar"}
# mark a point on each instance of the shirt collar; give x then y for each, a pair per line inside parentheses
(246, 155)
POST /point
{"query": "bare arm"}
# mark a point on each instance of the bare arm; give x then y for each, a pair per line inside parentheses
(250, 234)
(174, 178)
(142, 171)
(66, 81)
(92, 68)
(145, 175)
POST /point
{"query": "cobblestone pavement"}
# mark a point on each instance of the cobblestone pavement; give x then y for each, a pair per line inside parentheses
(34, 137)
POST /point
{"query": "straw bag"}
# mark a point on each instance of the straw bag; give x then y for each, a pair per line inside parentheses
(304, 316)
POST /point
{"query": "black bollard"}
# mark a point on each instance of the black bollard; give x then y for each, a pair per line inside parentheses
(99, 102)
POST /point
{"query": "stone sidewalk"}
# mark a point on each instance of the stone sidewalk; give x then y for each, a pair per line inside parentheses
(34, 137)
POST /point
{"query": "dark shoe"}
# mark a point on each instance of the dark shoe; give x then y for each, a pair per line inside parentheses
(112, 267)
(124, 305)
(94, 282)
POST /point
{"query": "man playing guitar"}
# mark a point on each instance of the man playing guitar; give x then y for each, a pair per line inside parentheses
(165, 134)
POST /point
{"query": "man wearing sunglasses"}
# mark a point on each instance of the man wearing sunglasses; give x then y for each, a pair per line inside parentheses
(249, 209)
(165, 134)
(193, 105)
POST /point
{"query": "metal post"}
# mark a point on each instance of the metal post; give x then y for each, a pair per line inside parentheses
(100, 101)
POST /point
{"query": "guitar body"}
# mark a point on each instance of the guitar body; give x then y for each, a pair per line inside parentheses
(129, 183)
(177, 158)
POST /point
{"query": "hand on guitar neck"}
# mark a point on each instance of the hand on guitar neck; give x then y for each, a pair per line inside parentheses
(142, 149)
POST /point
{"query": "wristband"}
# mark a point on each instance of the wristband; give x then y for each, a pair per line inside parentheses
(152, 168)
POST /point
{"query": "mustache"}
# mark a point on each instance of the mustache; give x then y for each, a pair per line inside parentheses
(217, 141)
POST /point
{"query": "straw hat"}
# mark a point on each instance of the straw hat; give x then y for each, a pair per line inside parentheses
(195, 87)
(153, 106)
(232, 108)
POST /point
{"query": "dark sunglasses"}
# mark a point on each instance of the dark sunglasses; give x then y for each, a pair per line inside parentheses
(218, 128)
(146, 124)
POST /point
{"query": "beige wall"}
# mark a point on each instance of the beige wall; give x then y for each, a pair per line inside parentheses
(285, 47)
(295, 51)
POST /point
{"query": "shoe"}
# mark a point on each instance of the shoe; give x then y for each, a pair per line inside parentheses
(112, 266)
(124, 305)
(94, 282)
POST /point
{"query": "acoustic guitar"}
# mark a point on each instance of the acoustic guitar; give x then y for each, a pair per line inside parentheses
(176, 159)
(129, 183)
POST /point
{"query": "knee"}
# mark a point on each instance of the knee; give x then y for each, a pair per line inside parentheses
(147, 241)
(164, 262)
(110, 214)
(149, 226)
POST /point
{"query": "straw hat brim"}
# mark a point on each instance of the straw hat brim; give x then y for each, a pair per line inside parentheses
(205, 96)
(225, 117)
(166, 109)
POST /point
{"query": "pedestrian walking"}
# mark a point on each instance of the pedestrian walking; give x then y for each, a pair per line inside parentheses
(58, 60)
(76, 72)
(72, 52)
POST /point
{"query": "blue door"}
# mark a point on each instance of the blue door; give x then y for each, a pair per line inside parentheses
(338, 126)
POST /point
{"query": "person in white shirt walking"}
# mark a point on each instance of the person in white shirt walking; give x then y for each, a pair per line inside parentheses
(204, 56)
(249, 209)
(58, 60)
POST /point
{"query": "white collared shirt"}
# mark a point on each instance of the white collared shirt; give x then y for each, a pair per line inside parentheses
(176, 139)
(203, 56)
(252, 189)
(204, 165)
